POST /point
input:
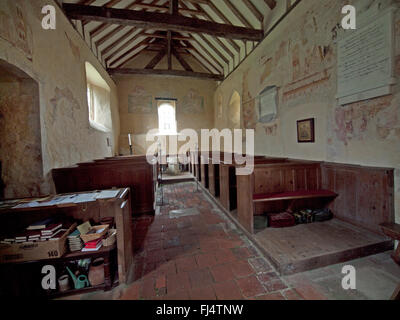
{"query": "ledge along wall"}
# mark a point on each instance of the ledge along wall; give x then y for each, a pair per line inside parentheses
(300, 58)
(55, 59)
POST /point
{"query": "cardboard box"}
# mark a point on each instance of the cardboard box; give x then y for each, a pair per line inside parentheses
(32, 251)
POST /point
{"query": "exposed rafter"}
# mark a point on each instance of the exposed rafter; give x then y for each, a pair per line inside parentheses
(237, 13)
(178, 73)
(270, 3)
(156, 59)
(214, 35)
(161, 21)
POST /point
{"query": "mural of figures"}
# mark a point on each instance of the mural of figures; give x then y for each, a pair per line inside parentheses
(192, 102)
(140, 101)
(15, 29)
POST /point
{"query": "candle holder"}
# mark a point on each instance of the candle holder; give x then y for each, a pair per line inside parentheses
(131, 150)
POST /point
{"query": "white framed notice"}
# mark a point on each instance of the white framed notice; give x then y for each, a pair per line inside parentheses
(268, 104)
(366, 60)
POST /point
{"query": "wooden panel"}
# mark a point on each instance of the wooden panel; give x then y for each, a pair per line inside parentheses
(211, 179)
(204, 175)
(224, 185)
(133, 172)
(245, 207)
(366, 195)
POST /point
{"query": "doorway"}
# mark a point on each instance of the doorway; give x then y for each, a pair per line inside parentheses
(20, 135)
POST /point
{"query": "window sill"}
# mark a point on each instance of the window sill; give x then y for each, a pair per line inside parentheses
(99, 127)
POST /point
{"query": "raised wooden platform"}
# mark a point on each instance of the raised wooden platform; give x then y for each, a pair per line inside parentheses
(311, 246)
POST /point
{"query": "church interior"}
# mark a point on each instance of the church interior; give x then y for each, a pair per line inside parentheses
(200, 149)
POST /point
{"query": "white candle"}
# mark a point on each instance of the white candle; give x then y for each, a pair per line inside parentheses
(130, 139)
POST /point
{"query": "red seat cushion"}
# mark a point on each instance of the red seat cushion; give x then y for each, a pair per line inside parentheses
(300, 193)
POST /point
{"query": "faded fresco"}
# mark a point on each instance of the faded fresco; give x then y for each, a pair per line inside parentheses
(300, 59)
(192, 102)
(140, 101)
(15, 29)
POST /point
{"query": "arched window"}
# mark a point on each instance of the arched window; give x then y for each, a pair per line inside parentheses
(166, 117)
(98, 96)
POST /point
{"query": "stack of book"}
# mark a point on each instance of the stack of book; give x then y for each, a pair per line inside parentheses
(44, 230)
(94, 245)
(74, 241)
(51, 231)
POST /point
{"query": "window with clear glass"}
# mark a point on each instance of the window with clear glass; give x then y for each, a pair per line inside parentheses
(98, 97)
(166, 117)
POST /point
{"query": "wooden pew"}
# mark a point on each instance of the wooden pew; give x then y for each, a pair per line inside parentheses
(392, 230)
(228, 180)
(195, 158)
(213, 173)
(271, 184)
(205, 168)
(365, 194)
(131, 171)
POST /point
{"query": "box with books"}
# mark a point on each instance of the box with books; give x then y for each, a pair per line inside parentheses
(32, 245)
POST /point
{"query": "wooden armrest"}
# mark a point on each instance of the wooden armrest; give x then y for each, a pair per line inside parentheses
(392, 230)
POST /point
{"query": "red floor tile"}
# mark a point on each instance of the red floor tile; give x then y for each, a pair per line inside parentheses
(271, 296)
(148, 288)
(250, 286)
(200, 278)
(206, 260)
(228, 291)
(222, 273)
(203, 293)
(186, 264)
(224, 256)
(178, 282)
(132, 292)
(242, 253)
(178, 295)
(241, 269)
(161, 282)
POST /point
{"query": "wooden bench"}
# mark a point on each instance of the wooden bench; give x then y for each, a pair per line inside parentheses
(228, 182)
(271, 185)
(392, 230)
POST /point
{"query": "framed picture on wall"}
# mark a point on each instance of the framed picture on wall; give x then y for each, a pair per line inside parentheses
(306, 131)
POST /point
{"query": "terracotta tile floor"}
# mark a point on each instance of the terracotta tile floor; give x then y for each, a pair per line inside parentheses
(206, 257)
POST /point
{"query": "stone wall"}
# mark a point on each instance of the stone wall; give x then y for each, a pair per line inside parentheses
(20, 140)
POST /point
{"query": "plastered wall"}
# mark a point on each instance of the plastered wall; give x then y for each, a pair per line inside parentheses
(138, 107)
(55, 59)
(300, 58)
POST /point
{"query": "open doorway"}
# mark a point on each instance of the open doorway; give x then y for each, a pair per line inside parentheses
(20, 136)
